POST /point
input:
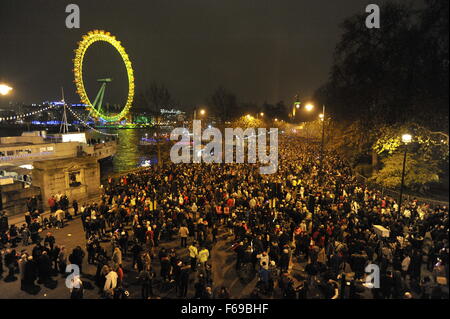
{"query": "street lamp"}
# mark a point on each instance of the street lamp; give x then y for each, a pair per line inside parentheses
(297, 104)
(309, 107)
(406, 139)
(202, 112)
(5, 89)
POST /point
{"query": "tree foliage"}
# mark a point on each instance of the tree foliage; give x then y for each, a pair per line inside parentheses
(418, 174)
(428, 145)
(392, 75)
(389, 81)
(278, 110)
(247, 122)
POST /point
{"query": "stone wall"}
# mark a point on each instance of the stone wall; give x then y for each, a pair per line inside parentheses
(77, 177)
(15, 196)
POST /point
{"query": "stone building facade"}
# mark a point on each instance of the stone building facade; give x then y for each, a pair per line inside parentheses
(77, 177)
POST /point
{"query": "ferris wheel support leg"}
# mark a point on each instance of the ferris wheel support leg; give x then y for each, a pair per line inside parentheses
(100, 102)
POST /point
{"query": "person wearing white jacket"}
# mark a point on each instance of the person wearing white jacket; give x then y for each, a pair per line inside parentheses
(111, 282)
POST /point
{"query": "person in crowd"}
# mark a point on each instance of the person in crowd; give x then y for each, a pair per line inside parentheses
(49, 240)
(203, 257)
(146, 279)
(30, 275)
(60, 215)
(117, 256)
(62, 260)
(10, 260)
(184, 233)
(22, 264)
(75, 207)
(44, 268)
(77, 290)
(110, 283)
(76, 257)
(193, 255)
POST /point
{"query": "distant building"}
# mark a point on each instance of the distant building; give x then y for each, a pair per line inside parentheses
(171, 116)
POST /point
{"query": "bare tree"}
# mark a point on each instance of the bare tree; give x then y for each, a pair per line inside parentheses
(154, 98)
(225, 104)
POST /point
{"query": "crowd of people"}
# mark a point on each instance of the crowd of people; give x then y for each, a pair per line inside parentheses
(300, 233)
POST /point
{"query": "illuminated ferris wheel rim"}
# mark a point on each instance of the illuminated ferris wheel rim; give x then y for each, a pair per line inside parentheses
(88, 39)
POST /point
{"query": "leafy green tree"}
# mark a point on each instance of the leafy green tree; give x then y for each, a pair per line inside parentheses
(247, 121)
(418, 174)
(427, 145)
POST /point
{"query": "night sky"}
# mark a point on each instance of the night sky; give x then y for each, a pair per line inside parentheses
(262, 50)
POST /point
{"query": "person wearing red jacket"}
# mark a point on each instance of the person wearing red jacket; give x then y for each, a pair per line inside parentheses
(52, 204)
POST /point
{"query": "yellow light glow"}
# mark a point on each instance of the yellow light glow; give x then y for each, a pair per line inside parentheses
(261, 114)
(88, 39)
(406, 138)
(202, 112)
(309, 107)
(276, 120)
(5, 89)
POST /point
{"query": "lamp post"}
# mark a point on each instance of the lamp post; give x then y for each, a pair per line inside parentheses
(295, 106)
(308, 107)
(406, 139)
(322, 147)
(202, 112)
